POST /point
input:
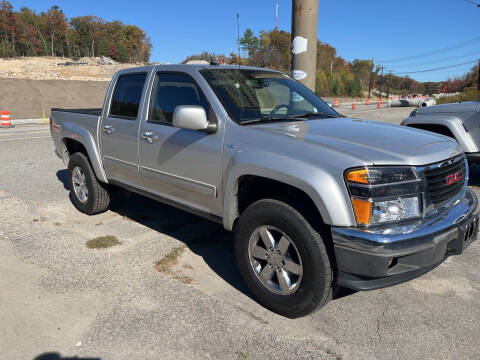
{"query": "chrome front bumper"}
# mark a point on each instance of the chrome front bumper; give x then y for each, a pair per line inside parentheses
(371, 259)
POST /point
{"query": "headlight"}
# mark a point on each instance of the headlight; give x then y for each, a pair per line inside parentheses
(395, 210)
(384, 194)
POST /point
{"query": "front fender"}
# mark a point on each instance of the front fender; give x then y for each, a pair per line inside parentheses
(326, 189)
(77, 133)
(453, 123)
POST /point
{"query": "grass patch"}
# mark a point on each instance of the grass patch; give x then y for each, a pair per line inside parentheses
(103, 242)
(241, 355)
(184, 279)
(169, 260)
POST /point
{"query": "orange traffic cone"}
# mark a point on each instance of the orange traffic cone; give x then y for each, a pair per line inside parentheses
(368, 101)
(379, 105)
(354, 107)
(5, 120)
(335, 102)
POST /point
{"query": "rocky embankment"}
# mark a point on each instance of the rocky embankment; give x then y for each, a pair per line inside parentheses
(57, 68)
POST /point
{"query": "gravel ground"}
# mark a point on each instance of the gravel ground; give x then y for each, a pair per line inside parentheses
(59, 297)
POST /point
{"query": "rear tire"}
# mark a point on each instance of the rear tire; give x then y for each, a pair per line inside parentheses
(88, 194)
(305, 290)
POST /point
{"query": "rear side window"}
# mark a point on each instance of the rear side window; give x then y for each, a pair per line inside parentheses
(170, 91)
(127, 95)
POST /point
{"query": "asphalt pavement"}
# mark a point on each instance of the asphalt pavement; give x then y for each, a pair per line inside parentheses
(60, 299)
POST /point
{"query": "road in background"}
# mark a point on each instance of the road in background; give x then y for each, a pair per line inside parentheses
(371, 112)
(59, 296)
(25, 132)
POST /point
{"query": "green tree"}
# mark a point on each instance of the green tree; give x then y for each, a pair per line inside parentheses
(321, 84)
(249, 43)
(361, 71)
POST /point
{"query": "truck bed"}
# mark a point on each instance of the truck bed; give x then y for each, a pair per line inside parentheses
(91, 111)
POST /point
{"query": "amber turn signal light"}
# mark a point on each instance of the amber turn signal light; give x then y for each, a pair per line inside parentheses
(363, 211)
(358, 176)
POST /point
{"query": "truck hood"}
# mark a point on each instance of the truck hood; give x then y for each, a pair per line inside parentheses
(372, 142)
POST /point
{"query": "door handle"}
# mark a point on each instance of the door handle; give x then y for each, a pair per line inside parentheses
(149, 136)
(108, 129)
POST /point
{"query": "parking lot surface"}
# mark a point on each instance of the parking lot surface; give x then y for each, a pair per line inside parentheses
(59, 296)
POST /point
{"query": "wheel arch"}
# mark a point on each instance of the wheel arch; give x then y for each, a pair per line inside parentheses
(78, 139)
(249, 187)
(450, 126)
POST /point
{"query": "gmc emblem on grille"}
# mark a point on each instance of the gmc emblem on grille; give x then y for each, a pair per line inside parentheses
(453, 178)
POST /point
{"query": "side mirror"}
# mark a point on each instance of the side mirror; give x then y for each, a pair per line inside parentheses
(192, 117)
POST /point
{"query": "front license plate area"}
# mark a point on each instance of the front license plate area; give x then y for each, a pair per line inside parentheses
(467, 233)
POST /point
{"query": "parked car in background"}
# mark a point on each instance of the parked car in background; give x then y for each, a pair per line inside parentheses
(460, 121)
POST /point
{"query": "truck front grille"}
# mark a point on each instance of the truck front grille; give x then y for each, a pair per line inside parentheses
(445, 181)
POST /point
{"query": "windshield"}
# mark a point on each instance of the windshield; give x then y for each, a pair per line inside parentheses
(249, 95)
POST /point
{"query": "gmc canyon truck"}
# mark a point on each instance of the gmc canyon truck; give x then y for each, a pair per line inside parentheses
(316, 200)
(460, 121)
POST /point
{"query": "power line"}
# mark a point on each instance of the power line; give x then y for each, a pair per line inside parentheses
(472, 2)
(434, 52)
(438, 61)
(436, 69)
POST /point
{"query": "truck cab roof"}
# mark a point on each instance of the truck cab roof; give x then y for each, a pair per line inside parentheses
(189, 67)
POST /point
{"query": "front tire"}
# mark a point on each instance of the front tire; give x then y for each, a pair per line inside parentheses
(282, 259)
(87, 193)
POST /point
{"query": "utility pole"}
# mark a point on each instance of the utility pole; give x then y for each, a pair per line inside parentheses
(238, 37)
(370, 80)
(276, 15)
(381, 81)
(389, 78)
(304, 41)
(478, 81)
(331, 67)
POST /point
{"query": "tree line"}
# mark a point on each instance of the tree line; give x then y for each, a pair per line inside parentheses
(466, 87)
(335, 76)
(51, 33)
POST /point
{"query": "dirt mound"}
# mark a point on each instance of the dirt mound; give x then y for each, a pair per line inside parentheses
(57, 68)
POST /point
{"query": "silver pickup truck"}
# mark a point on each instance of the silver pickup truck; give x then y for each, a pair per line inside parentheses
(460, 121)
(316, 200)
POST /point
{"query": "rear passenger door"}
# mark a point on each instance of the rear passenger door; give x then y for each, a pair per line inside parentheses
(179, 164)
(119, 129)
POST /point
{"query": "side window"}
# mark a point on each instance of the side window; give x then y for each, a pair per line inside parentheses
(127, 95)
(172, 90)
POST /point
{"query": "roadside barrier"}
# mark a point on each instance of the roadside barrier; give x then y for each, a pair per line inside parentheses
(335, 103)
(5, 120)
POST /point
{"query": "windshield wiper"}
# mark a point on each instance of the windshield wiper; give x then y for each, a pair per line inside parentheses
(310, 114)
(285, 117)
(265, 119)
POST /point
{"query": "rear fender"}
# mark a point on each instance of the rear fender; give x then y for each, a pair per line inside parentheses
(77, 133)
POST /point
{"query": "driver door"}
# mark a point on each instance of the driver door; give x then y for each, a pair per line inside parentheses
(179, 164)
